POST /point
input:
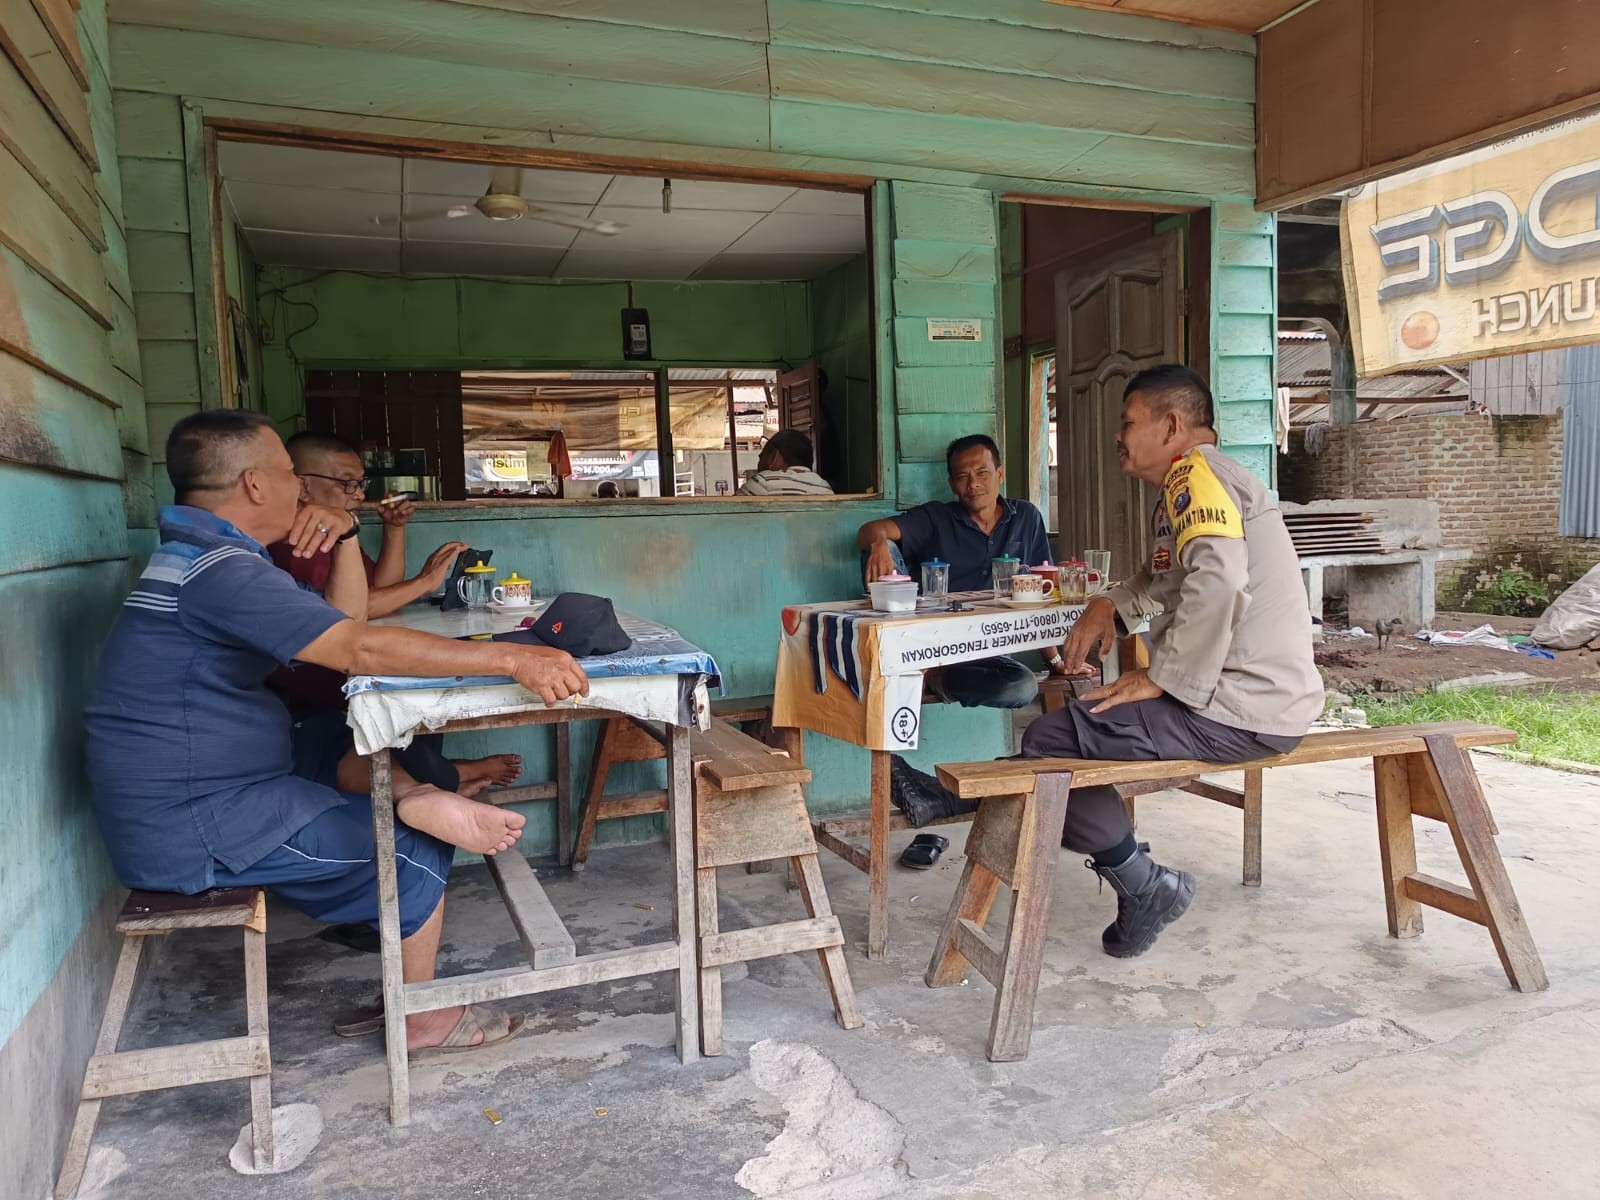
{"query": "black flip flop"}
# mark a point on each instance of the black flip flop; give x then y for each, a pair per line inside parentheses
(924, 851)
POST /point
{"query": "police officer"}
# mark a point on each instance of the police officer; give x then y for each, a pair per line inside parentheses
(1231, 676)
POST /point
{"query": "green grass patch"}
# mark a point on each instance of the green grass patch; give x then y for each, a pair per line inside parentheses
(1549, 724)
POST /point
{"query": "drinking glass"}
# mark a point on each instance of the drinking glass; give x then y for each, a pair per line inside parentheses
(1072, 577)
(1002, 569)
(1097, 577)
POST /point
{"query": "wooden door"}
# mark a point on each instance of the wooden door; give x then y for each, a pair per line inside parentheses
(1114, 317)
(798, 403)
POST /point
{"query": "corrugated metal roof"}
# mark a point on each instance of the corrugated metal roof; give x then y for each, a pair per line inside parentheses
(1305, 367)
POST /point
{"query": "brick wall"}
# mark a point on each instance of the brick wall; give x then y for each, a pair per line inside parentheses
(1496, 479)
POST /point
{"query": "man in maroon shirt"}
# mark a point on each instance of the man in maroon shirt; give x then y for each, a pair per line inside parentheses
(331, 475)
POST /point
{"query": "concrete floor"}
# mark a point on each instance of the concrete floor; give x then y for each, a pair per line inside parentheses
(1275, 1043)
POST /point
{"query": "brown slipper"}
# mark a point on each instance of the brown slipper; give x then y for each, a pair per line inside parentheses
(495, 1026)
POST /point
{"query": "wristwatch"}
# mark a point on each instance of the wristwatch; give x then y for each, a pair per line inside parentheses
(1054, 660)
(355, 528)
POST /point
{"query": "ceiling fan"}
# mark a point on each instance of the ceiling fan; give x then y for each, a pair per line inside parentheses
(504, 202)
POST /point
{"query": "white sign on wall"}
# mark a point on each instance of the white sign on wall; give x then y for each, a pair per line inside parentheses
(954, 331)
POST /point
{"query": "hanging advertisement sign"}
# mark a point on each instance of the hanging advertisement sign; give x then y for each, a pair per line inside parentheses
(1496, 251)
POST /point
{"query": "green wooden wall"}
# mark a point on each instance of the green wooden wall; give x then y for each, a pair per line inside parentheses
(343, 319)
(151, 156)
(1244, 342)
(945, 265)
(73, 474)
(1069, 101)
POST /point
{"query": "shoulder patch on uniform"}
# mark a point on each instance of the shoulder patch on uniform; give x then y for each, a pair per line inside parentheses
(1198, 503)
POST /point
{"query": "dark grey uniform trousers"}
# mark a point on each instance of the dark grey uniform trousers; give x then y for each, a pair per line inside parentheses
(1139, 731)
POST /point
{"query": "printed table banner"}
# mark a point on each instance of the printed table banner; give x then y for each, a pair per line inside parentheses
(855, 674)
(1496, 251)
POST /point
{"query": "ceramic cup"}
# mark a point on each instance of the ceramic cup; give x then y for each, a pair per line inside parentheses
(1030, 588)
(515, 592)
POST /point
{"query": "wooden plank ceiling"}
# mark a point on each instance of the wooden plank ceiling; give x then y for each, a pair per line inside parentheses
(1245, 16)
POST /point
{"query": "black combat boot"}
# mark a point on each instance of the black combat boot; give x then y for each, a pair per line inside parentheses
(921, 796)
(1149, 898)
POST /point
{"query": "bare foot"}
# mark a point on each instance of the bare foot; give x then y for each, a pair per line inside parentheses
(475, 788)
(496, 769)
(470, 824)
(431, 1028)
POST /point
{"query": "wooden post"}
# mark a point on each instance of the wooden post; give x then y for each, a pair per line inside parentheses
(564, 848)
(394, 990)
(834, 970)
(878, 861)
(792, 742)
(1252, 827)
(1467, 814)
(710, 977)
(83, 1125)
(975, 895)
(1397, 844)
(255, 1007)
(599, 769)
(680, 840)
(1033, 886)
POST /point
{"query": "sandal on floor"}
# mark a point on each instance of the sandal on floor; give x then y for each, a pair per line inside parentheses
(924, 851)
(495, 1026)
(359, 1021)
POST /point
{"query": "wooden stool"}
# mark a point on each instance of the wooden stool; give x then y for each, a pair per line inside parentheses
(114, 1073)
(622, 741)
(750, 807)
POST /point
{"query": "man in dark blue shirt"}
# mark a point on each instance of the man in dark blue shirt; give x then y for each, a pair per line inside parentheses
(969, 533)
(200, 779)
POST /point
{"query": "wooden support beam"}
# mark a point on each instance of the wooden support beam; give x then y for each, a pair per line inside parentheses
(525, 794)
(979, 949)
(856, 857)
(632, 804)
(175, 1066)
(543, 934)
(1221, 793)
(1445, 896)
(487, 986)
(769, 941)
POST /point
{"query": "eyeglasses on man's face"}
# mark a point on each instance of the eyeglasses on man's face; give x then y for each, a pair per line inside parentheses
(351, 487)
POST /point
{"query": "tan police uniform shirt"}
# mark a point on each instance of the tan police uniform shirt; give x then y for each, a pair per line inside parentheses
(1230, 629)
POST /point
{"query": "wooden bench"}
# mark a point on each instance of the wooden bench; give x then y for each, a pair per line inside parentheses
(749, 807)
(622, 741)
(1419, 770)
(111, 1072)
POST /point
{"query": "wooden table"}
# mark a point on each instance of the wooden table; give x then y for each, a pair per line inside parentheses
(553, 961)
(880, 708)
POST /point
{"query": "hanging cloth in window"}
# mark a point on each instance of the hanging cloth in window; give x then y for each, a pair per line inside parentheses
(560, 461)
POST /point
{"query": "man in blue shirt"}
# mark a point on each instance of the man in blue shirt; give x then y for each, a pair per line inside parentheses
(969, 533)
(199, 777)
